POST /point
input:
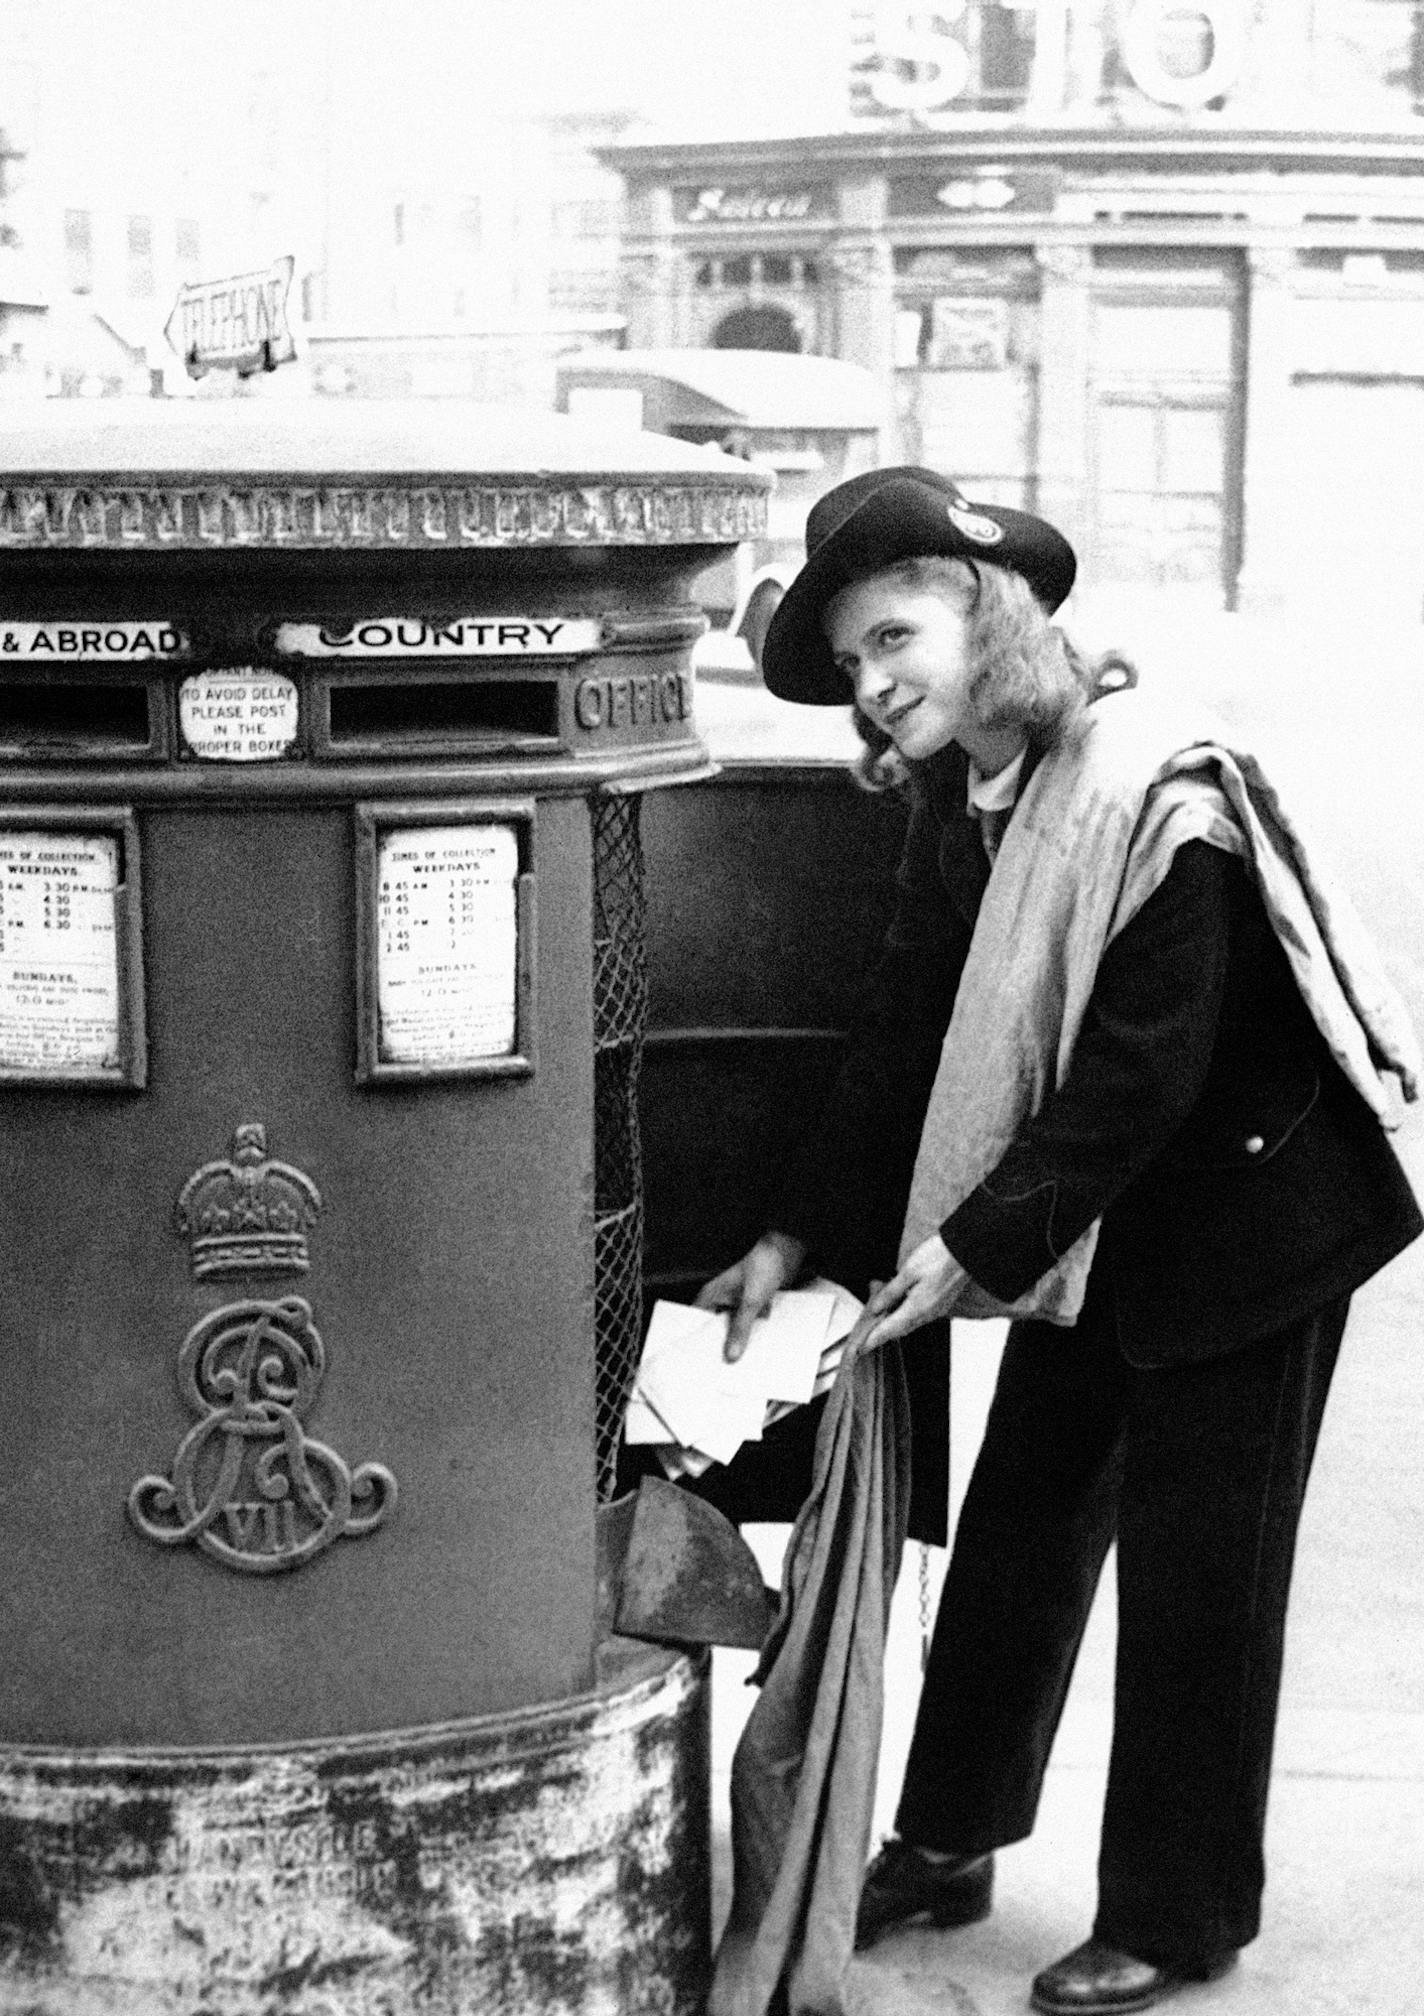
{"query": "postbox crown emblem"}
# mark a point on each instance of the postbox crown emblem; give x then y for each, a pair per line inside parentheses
(248, 1213)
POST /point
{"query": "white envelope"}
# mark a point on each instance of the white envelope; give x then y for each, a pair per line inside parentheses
(688, 1401)
(709, 1404)
(784, 1347)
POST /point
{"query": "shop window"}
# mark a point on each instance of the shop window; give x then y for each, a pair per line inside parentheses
(1160, 485)
(79, 251)
(140, 264)
(584, 218)
(1342, 263)
(1136, 338)
(909, 337)
(1162, 448)
(1193, 448)
(1127, 446)
(587, 290)
(187, 247)
(765, 269)
(968, 334)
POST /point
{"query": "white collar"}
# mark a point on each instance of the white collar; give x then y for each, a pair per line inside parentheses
(998, 792)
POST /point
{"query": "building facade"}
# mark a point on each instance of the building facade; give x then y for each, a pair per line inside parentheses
(451, 225)
(1155, 270)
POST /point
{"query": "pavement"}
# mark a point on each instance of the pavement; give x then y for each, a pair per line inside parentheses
(1343, 1928)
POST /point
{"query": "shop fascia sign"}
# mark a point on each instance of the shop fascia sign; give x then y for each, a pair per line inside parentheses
(933, 65)
(753, 203)
(980, 190)
(239, 324)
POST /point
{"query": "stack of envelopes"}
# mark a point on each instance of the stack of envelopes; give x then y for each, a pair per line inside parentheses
(698, 1409)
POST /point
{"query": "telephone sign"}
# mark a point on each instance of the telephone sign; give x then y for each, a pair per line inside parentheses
(239, 323)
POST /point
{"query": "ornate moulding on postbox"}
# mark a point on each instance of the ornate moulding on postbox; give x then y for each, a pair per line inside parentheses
(210, 475)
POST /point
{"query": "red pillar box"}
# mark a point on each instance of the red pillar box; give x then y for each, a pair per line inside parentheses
(322, 734)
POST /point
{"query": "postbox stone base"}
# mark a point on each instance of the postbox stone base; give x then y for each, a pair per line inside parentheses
(547, 1861)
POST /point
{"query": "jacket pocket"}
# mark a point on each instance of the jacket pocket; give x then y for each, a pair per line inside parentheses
(1244, 1129)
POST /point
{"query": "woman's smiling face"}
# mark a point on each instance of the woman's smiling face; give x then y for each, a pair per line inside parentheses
(905, 652)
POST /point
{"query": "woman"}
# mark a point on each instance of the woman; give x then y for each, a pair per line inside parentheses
(1152, 1136)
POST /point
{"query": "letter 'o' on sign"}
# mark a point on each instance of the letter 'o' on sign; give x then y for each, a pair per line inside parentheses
(1153, 36)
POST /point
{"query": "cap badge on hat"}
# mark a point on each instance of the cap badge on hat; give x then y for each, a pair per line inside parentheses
(974, 525)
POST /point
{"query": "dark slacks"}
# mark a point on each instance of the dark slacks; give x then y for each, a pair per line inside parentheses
(1199, 1473)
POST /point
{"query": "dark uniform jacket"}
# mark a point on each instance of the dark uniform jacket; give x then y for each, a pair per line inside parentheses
(1241, 1180)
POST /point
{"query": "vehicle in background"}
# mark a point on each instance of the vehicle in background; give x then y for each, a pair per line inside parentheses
(811, 420)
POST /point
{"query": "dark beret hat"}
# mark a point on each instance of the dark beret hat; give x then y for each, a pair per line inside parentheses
(870, 523)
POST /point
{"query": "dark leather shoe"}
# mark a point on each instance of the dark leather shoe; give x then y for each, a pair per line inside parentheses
(903, 1883)
(1096, 1980)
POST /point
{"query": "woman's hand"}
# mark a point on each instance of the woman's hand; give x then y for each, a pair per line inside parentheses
(748, 1286)
(929, 1285)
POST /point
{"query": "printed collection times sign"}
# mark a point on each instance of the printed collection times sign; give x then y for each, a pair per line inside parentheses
(59, 964)
(447, 943)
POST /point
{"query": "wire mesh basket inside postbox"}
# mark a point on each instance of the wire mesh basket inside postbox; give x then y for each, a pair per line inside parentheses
(620, 1006)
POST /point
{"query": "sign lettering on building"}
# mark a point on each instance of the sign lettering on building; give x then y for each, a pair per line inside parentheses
(922, 63)
(921, 59)
(753, 203)
(1162, 67)
(239, 324)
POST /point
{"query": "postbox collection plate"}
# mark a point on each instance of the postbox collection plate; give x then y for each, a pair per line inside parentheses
(445, 937)
(59, 962)
(71, 966)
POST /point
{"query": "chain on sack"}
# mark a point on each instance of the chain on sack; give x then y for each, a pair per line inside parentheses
(924, 1607)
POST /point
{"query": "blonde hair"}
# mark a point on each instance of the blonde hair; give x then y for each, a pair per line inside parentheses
(1024, 672)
